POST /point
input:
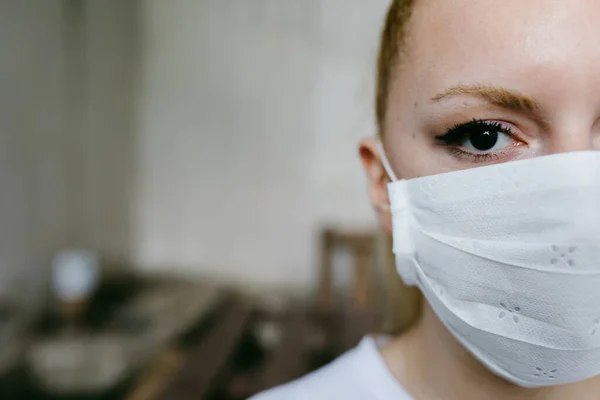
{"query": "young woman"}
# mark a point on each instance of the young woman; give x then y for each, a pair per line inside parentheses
(485, 171)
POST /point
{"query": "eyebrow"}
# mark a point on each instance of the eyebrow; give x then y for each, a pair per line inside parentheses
(501, 97)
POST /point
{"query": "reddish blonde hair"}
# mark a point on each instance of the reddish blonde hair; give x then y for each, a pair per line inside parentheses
(403, 303)
(390, 49)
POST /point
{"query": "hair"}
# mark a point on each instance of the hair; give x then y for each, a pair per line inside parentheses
(403, 303)
(390, 50)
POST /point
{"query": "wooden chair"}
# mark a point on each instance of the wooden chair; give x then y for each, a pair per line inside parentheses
(360, 242)
(378, 294)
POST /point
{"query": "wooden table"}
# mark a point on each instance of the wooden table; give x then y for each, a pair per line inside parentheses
(214, 367)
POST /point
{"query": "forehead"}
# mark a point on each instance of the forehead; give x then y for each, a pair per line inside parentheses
(514, 42)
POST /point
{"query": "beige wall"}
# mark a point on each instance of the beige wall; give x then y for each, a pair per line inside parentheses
(110, 51)
(33, 212)
(250, 113)
(199, 136)
(67, 90)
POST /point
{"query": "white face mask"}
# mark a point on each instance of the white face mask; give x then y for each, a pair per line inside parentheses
(508, 256)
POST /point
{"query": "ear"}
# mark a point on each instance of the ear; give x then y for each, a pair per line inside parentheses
(377, 180)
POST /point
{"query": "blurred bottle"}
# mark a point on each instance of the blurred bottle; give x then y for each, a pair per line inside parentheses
(75, 277)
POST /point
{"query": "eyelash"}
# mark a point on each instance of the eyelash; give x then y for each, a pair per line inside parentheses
(456, 134)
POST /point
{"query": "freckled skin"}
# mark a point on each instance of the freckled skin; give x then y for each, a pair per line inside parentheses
(548, 50)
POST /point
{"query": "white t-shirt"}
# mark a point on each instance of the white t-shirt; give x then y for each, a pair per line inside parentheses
(359, 374)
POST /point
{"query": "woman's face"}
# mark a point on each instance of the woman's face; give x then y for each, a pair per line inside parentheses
(488, 81)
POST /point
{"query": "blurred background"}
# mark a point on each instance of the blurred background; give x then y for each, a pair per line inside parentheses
(183, 211)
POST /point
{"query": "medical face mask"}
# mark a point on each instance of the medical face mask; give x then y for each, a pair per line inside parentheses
(508, 256)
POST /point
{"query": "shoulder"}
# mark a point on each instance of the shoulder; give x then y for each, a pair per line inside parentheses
(323, 383)
(359, 374)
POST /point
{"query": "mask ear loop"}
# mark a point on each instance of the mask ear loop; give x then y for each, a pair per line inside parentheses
(403, 246)
(385, 162)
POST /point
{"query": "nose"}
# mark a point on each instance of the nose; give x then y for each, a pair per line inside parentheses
(565, 142)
